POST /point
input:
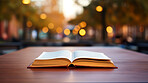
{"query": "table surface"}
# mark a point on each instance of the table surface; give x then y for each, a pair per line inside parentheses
(132, 67)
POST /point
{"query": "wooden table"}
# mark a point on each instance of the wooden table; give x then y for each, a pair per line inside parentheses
(132, 67)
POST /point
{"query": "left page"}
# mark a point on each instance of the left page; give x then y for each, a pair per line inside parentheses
(53, 59)
(57, 54)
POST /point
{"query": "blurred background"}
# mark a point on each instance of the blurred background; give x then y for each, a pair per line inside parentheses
(120, 23)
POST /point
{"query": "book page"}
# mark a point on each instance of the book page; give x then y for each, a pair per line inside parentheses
(89, 54)
(57, 54)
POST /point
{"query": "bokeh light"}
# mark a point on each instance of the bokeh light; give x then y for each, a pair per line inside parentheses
(109, 29)
(43, 16)
(110, 35)
(83, 24)
(74, 31)
(26, 1)
(129, 39)
(66, 39)
(90, 32)
(77, 28)
(50, 25)
(66, 31)
(59, 30)
(84, 2)
(99, 8)
(29, 24)
(82, 32)
(45, 29)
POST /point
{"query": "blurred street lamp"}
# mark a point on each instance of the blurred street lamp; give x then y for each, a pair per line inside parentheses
(82, 32)
(25, 23)
(26, 1)
(102, 10)
(99, 8)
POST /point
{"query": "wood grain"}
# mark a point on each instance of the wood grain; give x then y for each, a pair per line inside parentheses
(132, 67)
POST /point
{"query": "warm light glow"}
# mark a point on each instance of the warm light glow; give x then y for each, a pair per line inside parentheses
(74, 31)
(109, 29)
(90, 32)
(5, 36)
(110, 35)
(99, 8)
(125, 30)
(141, 29)
(70, 9)
(29, 24)
(84, 2)
(43, 16)
(82, 32)
(66, 31)
(129, 39)
(59, 30)
(77, 28)
(26, 1)
(66, 39)
(45, 29)
(50, 25)
(83, 24)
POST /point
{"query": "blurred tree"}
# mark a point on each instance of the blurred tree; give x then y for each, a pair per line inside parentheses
(15, 7)
(115, 12)
(23, 13)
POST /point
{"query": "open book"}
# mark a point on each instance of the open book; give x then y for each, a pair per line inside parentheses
(66, 58)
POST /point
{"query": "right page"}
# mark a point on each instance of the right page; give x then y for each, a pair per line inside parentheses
(91, 59)
(89, 54)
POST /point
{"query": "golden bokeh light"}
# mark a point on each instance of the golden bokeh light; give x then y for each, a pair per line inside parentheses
(29, 24)
(66, 39)
(43, 16)
(50, 25)
(82, 32)
(83, 24)
(109, 29)
(99, 8)
(77, 28)
(125, 29)
(26, 1)
(59, 30)
(66, 31)
(45, 29)
(75, 32)
(110, 35)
